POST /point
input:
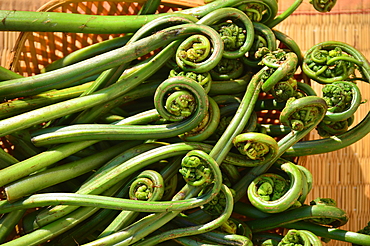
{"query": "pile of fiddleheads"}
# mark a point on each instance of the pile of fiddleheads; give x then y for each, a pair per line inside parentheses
(155, 136)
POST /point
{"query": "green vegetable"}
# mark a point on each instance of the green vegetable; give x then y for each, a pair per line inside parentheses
(157, 136)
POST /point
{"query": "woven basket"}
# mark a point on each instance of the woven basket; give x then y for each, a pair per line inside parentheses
(35, 50)
(334, 173)
(344, 174)
(27, 53)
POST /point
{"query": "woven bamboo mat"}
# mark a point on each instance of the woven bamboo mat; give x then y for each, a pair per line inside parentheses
(345, 174)
(8, 39)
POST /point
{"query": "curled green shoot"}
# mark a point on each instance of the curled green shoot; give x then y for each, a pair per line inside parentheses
(195, 171)
(303, 112)
(258, 147)
(343, 99)
(323, 5)
(300, 237)
(270, 193)
(204, 79)
(228, 69)
(180, 103)
(208, 125)
(148, 185)
(197, 229)
(330, 61)
(263, 38)
(196, 53)
(284, 90)
(235, 28)
(176, 109)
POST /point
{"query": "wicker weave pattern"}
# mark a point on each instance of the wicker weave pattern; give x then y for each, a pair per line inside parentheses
(344, 174)
(37, 49)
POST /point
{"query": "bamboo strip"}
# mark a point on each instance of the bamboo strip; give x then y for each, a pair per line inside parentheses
(341, 7)
(6, 44)
(342, 175)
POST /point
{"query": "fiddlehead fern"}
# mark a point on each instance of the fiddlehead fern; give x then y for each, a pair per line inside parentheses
(232, 35)
(216, 205)
(258, 147)
(319, 146)
(147, 186)
(198, 54)
(181, 103)
(343, 98)
(323, 5)
(204, 79)
(195, 49)
(254, 10)
(235, 28)
(207, 127)
(281, 66)
(328, 62)
(326, 202)
(338, 96)
(195, 170)
(196, 229)
(263, 38)
(271, 193)
(284, 90)
(274, 59)
(332, 128)
(301, 113)
(271, 187)
(227, 69)
(300, 237)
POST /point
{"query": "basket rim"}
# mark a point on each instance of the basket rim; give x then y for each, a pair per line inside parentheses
(15, 53)
(50, 5)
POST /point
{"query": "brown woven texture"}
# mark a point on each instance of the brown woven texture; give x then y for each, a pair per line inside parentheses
(34, 50)
(344, 174)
